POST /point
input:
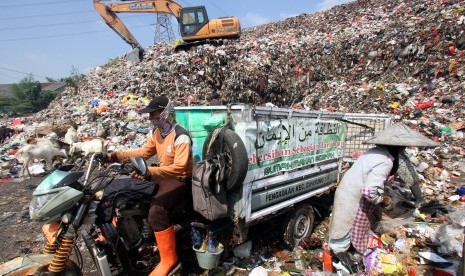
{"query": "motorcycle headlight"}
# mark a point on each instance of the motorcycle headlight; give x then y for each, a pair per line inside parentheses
(37, 202)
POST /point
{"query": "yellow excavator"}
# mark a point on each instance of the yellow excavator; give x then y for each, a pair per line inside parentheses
(194, 24)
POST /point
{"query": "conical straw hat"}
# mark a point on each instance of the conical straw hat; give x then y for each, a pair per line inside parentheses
(401, 135)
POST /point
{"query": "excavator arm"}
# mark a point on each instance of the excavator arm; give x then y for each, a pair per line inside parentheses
(109, 14)
(194, 24)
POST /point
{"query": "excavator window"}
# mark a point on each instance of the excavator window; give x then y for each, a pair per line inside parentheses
(192, 19)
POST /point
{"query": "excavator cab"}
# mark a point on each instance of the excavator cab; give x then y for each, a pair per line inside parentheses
(196, 27)
(192, 20)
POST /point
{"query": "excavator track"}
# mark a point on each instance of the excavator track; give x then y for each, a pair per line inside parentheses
(186, 46)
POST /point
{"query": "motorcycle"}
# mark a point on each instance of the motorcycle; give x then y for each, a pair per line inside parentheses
(111, 219)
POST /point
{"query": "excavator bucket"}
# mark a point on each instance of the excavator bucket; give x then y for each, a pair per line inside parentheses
(135, 55)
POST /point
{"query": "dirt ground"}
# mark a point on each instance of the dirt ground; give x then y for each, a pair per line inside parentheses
(19, 235)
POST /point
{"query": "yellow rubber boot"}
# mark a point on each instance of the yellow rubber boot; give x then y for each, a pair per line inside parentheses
(166, 241)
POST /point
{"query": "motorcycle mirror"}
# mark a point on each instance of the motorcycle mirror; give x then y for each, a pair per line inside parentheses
(140, 166)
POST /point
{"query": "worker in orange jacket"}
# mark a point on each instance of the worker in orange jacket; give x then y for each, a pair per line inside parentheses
(172, 144)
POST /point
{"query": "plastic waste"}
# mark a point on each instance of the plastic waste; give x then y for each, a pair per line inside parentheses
(243, 250)
(327, 260)
(196, 237)
(211, 248)
(424, 105)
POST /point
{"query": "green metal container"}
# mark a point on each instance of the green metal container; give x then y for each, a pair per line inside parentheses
(200, 121)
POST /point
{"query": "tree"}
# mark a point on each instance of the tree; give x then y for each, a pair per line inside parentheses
(27, 89)
(29, 97)
(74, 79)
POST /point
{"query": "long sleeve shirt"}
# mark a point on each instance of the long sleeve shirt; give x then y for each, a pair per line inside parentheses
(174, 153)
(361, 188)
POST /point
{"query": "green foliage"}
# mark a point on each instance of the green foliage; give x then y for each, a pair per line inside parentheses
(24, 107)
(46, 97)
(27, 88)
(7, 105)
(28, 98)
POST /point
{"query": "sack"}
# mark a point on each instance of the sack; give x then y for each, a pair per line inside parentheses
(123, 193)
(208, 193)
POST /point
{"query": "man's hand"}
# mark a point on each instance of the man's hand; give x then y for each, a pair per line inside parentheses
(136, 175)
(111, 157)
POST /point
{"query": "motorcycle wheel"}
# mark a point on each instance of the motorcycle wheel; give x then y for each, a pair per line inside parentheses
(118, 249)
(71, 269)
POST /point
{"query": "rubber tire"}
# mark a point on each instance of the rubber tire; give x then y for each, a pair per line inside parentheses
(236, 169)
(118, 248)
(298, 225)
(71, 269)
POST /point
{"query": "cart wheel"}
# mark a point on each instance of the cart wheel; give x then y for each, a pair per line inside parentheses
(236, 157)
(298, 225)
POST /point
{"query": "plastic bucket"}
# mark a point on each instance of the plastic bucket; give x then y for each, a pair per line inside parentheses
(208, 260)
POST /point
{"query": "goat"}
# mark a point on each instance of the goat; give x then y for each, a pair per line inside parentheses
(87, 147)
(31, 152)
(5, 133)
(41, 141)
(71, 136)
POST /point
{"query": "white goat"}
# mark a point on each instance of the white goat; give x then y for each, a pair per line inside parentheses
(71, 136)
(45, 141)
(31, 152)
(87, 147)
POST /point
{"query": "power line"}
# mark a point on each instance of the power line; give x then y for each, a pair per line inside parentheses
(43, 15)
(222, 11)
(46, 25)
(62, 35)
(188, 4)
(37, 4)
(29, 74)
(56, 24)
(8, 76)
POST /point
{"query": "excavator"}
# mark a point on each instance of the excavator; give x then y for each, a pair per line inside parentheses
(194, 24)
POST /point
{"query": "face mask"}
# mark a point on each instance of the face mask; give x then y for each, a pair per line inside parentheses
(157, 123)
(165, 122)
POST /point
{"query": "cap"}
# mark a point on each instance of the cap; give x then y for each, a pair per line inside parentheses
(157, 103)
(401, 135)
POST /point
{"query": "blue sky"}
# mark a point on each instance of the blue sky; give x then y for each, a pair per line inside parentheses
(48, 38)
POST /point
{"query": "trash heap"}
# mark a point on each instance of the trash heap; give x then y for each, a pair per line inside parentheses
(404, 58)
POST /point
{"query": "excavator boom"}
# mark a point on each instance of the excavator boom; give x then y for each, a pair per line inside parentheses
(110, 17)
(194, 24)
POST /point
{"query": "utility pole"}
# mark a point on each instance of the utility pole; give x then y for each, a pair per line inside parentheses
(163, 29)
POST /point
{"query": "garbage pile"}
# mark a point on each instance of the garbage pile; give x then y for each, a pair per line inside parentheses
(404, 58)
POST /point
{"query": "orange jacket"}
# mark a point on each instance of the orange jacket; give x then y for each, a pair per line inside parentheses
(174, 153)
